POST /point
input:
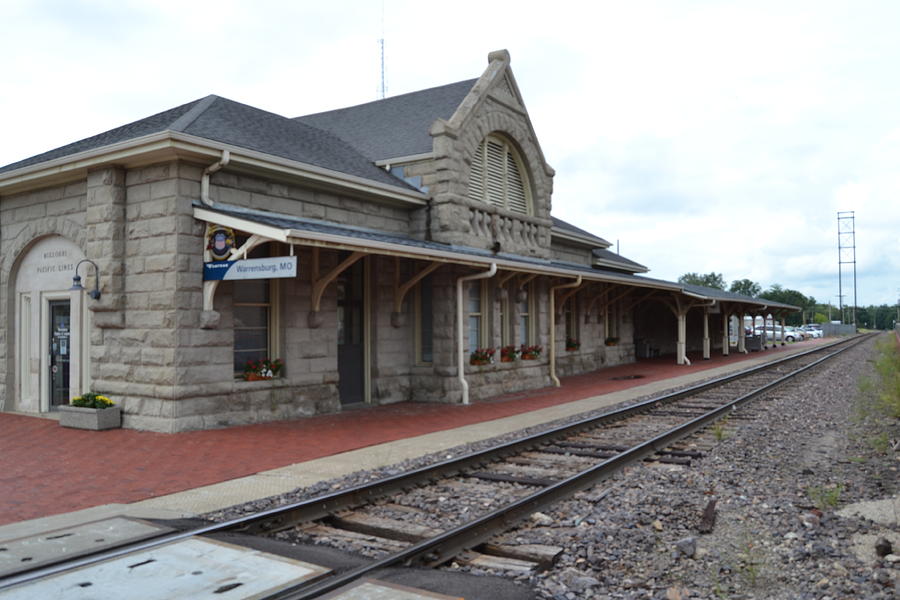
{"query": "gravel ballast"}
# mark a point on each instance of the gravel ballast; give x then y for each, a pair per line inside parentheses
(774, 483)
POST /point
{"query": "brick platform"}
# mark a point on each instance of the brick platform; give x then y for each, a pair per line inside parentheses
(46, 469)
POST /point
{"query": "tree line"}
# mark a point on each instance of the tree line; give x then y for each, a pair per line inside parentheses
(872, 317)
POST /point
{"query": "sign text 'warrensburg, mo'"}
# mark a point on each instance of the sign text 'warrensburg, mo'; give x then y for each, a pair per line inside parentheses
(251, 268)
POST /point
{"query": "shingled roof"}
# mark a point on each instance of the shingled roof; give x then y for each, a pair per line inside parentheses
(393, 127)
(565, 227)
(722, 295)
(610, 259)
(222, 120)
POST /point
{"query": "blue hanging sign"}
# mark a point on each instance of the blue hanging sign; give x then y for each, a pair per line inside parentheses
(251, 268)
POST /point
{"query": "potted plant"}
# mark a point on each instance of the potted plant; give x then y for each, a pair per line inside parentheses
(530, 352)
(255, 370)
(91, 411)
(611, 341)
(482, 356)
(509, 353)
(572, 344)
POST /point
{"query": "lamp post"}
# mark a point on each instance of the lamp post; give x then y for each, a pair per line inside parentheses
(76, 280)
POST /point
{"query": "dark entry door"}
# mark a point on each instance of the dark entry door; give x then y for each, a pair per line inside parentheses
(351, 336)
(60, 352)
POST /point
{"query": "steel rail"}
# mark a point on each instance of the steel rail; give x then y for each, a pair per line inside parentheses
(439, 549)
(283, 517)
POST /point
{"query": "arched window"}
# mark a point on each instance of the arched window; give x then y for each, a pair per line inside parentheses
(498, 176)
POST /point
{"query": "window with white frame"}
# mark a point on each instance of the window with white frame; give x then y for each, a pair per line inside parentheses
(525, 312)
(255, 314)
(252, 313)
(476, 318)
(497, 176)
(506, 316)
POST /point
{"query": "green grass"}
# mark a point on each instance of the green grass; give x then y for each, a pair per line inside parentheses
(880, 443)
(719, 430)
(878, 400)
(825, 497)
(887, 365)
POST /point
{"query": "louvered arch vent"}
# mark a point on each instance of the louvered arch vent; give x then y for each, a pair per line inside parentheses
(497, 176)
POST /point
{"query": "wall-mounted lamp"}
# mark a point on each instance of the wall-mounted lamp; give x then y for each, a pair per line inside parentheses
(76, 281)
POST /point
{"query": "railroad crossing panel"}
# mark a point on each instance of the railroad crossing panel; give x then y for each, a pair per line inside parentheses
(195, 568)
(372, 589)
(69, 542)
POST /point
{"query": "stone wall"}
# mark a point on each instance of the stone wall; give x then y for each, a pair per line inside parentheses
(25, 219)
(573, 254)
(255, 192)
(148, 351)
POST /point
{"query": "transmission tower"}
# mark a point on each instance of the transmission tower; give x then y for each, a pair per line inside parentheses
(846, 255)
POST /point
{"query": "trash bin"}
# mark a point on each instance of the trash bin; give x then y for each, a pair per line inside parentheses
(753, 343)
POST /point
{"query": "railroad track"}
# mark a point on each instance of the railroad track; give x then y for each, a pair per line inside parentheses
(384, 520)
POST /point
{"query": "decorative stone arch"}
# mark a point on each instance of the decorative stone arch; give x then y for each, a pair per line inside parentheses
(31, 234)
(493, 122)
(10, 262)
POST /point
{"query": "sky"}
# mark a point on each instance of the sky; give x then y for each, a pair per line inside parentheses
(699, 136)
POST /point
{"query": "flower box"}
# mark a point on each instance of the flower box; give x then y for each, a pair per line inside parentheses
(258, 370)
(572, 344)
(255, 377)
(611, 341)
(509, 353)
(482, 356)
(95, 419)
(530, 352)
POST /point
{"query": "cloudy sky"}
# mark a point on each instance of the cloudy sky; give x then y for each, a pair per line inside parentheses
(701, 135)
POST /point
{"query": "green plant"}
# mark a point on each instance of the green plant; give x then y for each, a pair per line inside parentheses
(751, 560)
(572, 344)
(92, 400)
(720, 430)
(825, 497)
(611, 341)
(880, 443)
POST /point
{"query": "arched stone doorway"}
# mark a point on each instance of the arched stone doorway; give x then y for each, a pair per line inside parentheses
(50, 322)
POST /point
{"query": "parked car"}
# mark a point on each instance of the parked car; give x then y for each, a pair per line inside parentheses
(814, 330)
(775, 334)
(795, 331)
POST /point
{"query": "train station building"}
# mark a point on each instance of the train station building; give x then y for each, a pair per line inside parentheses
(217, 264)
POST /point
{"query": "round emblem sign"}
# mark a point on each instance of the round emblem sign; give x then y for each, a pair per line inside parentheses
(220, 241)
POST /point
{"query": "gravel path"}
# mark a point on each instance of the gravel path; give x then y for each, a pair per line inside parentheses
(775, 480)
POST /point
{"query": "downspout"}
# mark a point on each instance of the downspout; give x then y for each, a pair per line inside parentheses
(575, 283)
(682, 335)
(207, 172)
(461, 359)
